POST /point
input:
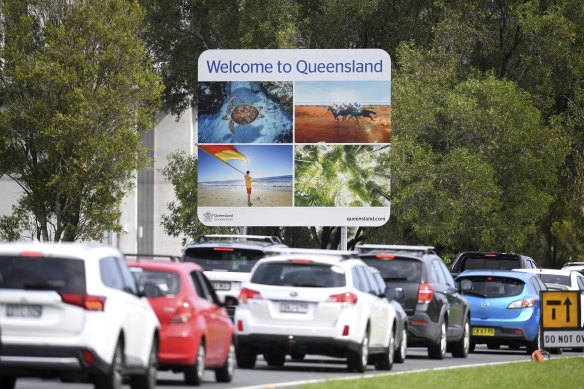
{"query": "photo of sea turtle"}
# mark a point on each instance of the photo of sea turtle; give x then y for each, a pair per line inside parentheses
(241, 114)
(245, 112)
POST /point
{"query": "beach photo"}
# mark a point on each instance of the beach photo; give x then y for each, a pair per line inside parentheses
(342, 175)
(245, 175)
(342, 112)
(245, 112)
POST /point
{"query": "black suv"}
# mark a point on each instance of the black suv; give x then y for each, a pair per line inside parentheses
(438, 316)
(487, 260)
(228, 259)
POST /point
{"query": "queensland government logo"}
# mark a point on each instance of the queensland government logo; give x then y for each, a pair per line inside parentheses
(210, 217)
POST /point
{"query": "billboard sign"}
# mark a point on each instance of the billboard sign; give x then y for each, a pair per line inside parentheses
(294, 137)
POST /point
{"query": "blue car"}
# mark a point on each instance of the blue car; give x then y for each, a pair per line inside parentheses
(504, 307)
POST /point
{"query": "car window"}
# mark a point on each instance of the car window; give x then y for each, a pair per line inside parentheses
(110, 273)
(580, 282)
(491, 287)
(358, 280)
(128, 281)
(555, 279)
(168, 282)
(297, 274)
(474, 263)
(398, 269)
(42, 273)
(370, 284)
(437, 273)
(212, 296)
(446, 273)
(223, 258)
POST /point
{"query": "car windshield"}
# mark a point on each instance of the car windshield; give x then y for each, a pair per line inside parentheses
(168, 282)
(555, 279)
(224, 258)
(299, 275)
(398, 269)
(42, 273)
(478, 263)
(489, 286)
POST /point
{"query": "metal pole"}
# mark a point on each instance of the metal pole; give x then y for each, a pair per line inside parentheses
(343, 238)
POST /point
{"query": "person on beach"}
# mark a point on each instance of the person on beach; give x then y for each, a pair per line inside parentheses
(248, 181)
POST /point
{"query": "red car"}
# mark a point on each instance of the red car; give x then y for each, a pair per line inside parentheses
(196, 332)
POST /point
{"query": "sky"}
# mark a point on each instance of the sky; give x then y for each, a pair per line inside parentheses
(331, 92)
(263, 161)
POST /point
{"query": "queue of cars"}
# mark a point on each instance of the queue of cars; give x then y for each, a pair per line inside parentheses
(107, 319)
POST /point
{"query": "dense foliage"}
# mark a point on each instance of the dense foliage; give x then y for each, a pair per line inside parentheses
(76, 88)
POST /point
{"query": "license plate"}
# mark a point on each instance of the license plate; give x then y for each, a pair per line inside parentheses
(294, 307)
(221, 285)
(13, 310)
(483, 331)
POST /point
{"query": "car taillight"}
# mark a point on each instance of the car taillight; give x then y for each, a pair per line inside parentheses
(85, 301)
(347, 298)
(247, 294)
(183, 314)
(525, 303)
(425, 293)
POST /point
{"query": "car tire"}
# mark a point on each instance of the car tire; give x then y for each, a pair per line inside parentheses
(225, 372)
(245, 357)
(7, 381)
(401, 351)
(535, 344)
(461, 348)
(195, 372)
(113, 378)
(275, 359)
(438, 350)
(148, 379)
(385, 360)
(357, 360)
(297, 355)
(472, 347)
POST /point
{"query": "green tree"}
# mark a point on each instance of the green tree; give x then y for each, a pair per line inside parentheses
(77, 87)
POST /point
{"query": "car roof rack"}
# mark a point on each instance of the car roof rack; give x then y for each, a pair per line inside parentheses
(379, 248)
(168, 257)
(344, 254)
(242, 238)
(574, 264)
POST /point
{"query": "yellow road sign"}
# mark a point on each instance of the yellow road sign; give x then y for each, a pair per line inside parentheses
(560, 309)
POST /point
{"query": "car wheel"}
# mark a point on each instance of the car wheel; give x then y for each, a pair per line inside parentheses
(297, 355)
(400, 353)
(225, 372)
(194, 373)
(113, 378)
(7, 381)
(275, 358)
(246, 358)
(438, 351)
(535, 344)
(148, 379)
(461, 348)
(385, 360)
(357, 360)
(471, 347)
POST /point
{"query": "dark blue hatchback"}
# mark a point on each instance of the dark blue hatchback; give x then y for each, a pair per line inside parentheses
(505, 307)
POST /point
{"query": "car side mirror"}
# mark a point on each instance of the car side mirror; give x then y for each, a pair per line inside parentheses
(230, 302)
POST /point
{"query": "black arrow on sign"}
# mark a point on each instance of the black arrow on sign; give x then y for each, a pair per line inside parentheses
(567, 303)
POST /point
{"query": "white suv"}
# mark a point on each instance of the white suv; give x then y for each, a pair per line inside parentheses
(299, 304)
(227, 261)
(73, 311)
